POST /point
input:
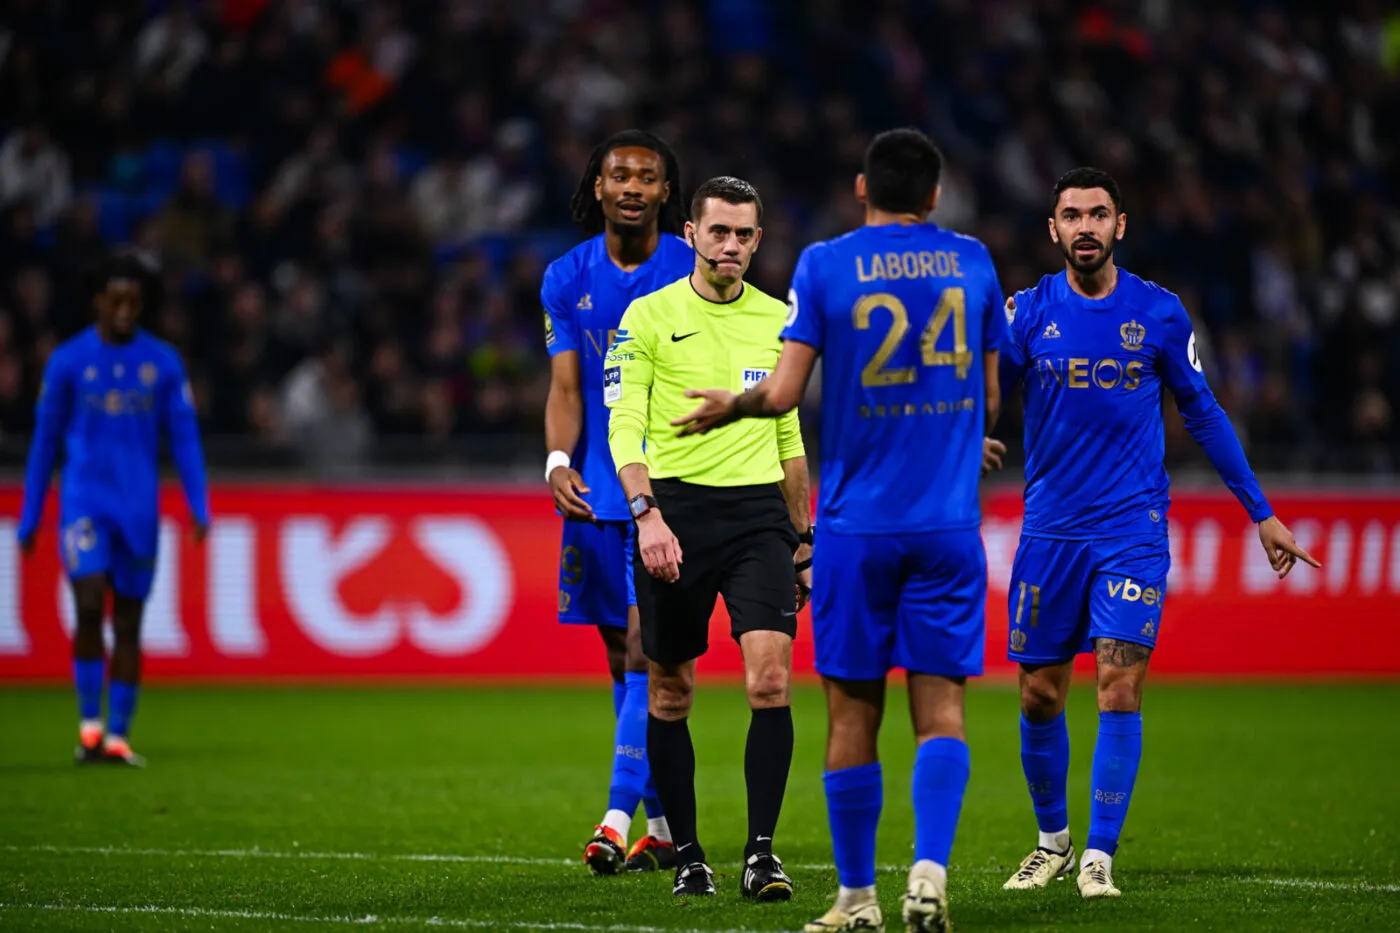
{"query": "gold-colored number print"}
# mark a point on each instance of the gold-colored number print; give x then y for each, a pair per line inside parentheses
(951, 304)
(571, 562)
(875, 373)
(1035, 604)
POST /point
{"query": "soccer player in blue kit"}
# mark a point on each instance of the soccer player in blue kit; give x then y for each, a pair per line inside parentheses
(1092, 348)
(908, 318)
(630, 204)
(107, 396)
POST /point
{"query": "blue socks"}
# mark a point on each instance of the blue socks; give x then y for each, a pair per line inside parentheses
(941, 769)
(854, 797)
(1116, 758)
(122, 702)
(1045, 761)
(88, 675)
(630, 771)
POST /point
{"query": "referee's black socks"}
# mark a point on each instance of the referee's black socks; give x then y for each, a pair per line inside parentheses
(672, 758)
(767, 759)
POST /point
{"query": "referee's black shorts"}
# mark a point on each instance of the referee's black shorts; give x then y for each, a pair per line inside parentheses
(736, 541)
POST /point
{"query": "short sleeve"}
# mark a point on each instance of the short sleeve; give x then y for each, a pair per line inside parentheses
(556, 295)
(805, 320)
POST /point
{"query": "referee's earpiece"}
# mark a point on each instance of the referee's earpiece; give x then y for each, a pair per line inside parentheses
(714, 263)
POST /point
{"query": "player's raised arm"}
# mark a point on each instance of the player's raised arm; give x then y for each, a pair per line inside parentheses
(52, 412)
(563, 408)
(182, 427)
(1210, 427)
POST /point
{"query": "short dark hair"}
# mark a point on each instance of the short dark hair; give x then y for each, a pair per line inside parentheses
(902, 168)
(728, 189)
(588, 213)
(1086, 176)
(127, 264)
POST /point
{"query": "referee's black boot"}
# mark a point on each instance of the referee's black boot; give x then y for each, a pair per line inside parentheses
(694, 879)
(764, 878)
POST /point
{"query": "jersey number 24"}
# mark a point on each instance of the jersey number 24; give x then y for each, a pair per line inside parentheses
(952, 303)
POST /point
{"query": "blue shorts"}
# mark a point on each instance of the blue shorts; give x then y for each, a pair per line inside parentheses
(595, 573)
(90, 545)
(916, 601)
(1064, 594)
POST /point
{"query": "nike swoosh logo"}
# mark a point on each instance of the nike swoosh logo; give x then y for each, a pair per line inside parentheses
(787, 615)
(675, 339)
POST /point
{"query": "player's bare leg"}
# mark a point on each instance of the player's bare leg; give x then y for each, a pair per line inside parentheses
(767, 758)
(89, 601)
(606, 852)
(124, 678)
(1045, 759)
(672, 754)
(654, 851)
(854, 796)
(1122, 671)
(941, 768)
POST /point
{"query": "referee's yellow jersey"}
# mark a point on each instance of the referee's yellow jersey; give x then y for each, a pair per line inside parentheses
(673, 340)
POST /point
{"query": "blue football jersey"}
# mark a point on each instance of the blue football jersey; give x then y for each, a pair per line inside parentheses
(902, 316)
(584, 294)
(107, 405)
(1092, 372)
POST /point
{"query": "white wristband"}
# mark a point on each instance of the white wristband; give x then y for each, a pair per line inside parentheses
(557, 458)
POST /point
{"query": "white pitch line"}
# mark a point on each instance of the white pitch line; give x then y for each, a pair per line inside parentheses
(368, 920)
(1324, 885)
(117, 851)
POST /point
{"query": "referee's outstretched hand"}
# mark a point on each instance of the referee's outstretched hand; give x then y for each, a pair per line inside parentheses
(661, 552)
(567, 486)
(715, 412)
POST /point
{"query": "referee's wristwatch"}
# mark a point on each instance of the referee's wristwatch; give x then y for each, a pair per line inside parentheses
(641, 505)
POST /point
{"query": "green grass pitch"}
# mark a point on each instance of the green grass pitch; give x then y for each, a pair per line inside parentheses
(1259, 807)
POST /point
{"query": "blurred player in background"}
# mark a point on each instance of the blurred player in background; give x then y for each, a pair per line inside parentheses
(107, 396)
(908, 318)
(629, 203)
(1092, 349)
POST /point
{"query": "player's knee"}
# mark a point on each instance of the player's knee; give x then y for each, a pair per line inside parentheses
(1040, 700)
(1120, 695)
(669, 697)
(635, 658)
(769, 685)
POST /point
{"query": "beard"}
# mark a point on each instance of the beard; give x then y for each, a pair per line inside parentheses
(1100, 259)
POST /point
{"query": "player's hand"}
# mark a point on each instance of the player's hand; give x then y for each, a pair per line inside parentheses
(715, 412)
(803, 554)
(26, 545)
(201, 531)
(661, 552)
(1283, 551)
(567, 487)
(992, 452)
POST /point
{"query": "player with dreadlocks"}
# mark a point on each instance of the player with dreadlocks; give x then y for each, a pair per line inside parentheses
(630, 204)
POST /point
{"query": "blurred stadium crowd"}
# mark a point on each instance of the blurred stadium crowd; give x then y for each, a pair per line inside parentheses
(353, 202)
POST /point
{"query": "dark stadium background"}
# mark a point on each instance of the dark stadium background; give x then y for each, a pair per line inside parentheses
(359, 708)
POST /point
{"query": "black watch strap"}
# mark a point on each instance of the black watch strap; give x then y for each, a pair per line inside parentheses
(809, 536)
(641, 505)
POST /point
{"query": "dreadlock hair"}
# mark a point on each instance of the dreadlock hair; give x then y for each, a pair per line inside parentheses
(588, 212)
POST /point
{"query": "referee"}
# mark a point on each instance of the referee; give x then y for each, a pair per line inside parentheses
(715, 513)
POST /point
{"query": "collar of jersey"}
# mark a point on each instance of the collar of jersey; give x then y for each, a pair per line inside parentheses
(743, 289)
(1074, 299)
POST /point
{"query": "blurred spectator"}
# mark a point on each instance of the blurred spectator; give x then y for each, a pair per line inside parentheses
(34, 169)
(354, 202)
